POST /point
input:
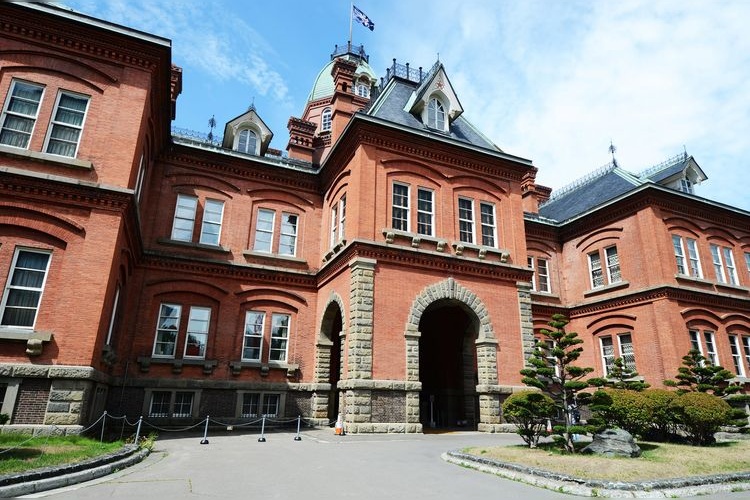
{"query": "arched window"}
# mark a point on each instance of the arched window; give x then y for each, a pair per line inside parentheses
(247, 142)
(435, 114)
(362, 88)
(325, 120)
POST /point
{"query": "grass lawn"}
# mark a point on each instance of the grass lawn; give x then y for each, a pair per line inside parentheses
(658, 461)
(19, 452)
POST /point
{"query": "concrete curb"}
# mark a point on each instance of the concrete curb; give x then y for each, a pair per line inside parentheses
(667, 488)
(57, 477)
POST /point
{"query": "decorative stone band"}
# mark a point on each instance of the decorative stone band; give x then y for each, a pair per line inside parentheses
(370, 384)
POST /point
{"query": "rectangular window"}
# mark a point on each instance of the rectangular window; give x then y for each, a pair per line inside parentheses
(197, 332)
(211, 226)
(264, 230)
(718, 265)
(279, 337)
(679, 253)
(288, 238)
(542, 273)
(747, 261)
(342, 217)
(711, 354)
(184, 217)
(595, 269)
(627, 353)
(400, 207)
(466, 220)
(746, 350)
(489, 231)
(167, 329)
(730, 267)
(425, 211)
(613, 265)
(250, 404)
(695, 264)
(530, 265)
(20, 114)
(67, 124)
(253, 345)
(183, 405)
(334, 225)
(23, 290)
(734, 344)
(160, 401)
(695, 341)
(112, 318)
(608, 354)
(271, 405)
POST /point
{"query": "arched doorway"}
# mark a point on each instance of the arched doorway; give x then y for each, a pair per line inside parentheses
(329, 356)
(448, 366)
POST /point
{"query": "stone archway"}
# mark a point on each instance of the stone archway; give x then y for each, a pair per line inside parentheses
(329, 368)
(487, 387)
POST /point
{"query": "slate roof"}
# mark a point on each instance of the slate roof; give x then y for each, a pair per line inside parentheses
(605, 185)
(390, 106)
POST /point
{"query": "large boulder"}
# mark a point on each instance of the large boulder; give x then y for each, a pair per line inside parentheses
(613, 443)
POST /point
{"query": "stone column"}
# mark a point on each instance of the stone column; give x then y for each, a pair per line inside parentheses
(527, 326)
(489, 401)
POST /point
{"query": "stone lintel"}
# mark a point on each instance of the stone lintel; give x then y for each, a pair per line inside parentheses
(500, 389)
(369, 384)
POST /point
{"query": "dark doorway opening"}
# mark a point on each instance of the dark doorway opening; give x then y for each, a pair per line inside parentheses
(448, 367)
(334, 374)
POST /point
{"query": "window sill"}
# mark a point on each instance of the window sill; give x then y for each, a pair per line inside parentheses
(732, 288)
(34, 339)
(460, 248)
(190, 244)
(208, 365)
(693, 280)
(265, 368)
(607, 288)
(416, 240)
(275, 256)
(333, 251)
(547, 295)
(46, 157)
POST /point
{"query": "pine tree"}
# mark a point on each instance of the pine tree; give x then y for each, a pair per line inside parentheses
(551, 368)
(698, 374)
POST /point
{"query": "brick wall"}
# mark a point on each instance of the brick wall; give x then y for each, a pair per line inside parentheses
(31, 404)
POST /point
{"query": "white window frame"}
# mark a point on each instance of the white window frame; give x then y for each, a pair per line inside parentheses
(280, 334)
(334, 225)
(746, 349)
(694, 258)
(688, 263)
(288, 234)
(695, 340)
(342, 217)
(425, 211)
(362, 88)
(162, 328)
(162, 404)
(736, 349)
(178, 405)
(712, 354)
(244, 143)
(540, 281)
(436, 114)
(326, 120)
(723, 261)
(185, 210)
(171, 404)
(612, 261)
(617, 343)
(747, 261)
(55, 123)
(7, 112)
(401, 207)
(266, 404)
(596, 271)
(139, 179)
(489, 227)
(466, 224)
(115, 306)
(197, 329)
(252, 333)
(259, 244)
(213, 214)
(11, 289)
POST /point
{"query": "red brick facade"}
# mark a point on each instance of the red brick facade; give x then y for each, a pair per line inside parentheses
(184, 279)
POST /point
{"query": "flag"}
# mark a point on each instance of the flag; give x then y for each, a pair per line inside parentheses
(362, 18)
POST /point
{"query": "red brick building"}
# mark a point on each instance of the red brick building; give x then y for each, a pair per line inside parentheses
(392, 267)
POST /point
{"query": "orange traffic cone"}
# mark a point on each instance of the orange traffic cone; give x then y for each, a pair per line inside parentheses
(339, 429)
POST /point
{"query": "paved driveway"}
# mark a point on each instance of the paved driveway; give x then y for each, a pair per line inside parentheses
(321, 466)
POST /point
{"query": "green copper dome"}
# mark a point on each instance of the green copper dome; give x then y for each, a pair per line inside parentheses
(323, 86)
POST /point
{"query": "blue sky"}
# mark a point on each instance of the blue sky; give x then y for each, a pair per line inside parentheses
(552, 81)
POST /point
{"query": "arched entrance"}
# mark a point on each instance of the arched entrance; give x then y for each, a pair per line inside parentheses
(328, 364)
(448, 366)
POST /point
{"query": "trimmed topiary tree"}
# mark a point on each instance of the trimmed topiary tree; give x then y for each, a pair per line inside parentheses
(698, 374)
(529, 411)
(663, 423)
(627, 409)
(552, 369)
(701, 415)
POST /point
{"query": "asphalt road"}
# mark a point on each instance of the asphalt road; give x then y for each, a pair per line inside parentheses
(320, 466)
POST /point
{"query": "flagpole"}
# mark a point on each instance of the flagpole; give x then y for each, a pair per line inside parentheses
(351, 9)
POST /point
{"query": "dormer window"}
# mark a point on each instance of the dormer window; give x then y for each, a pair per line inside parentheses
(686, 186)
(362, 88)
(247, 142)
(435, 114)
(325, 120)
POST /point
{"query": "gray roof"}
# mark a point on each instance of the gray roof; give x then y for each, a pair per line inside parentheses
(606, 184)
(390, 104)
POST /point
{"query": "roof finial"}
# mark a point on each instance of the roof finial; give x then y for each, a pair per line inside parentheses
(438, 56)
(252, 105)
(211, 125)
(612, 150)
(684, 152)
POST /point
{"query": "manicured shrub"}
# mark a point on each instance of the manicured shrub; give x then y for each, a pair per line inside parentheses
(701, 415)
(663, 424)
(623, 408)
(529, 411)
